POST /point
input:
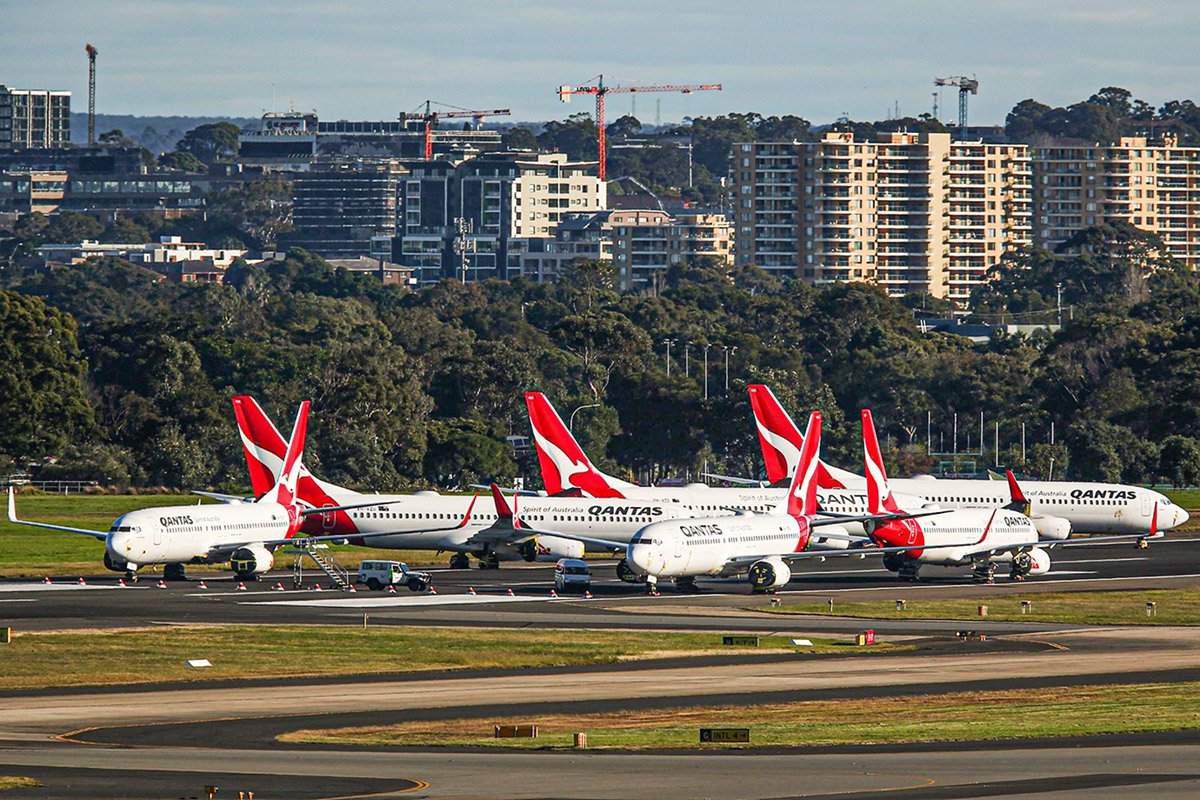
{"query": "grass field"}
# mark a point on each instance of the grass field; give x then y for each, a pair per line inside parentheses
(35, 660)
(30, 552)
(980, 715)
(1173, 607)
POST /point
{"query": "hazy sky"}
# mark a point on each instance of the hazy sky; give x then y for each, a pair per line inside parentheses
(372, 59)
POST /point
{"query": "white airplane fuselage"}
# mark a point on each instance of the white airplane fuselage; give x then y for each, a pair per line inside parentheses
(183, 534)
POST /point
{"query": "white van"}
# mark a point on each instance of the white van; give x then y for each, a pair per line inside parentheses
(572, 573)
(378, 574)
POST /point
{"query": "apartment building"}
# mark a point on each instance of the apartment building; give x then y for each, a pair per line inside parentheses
(912, 212)
(645, 244)
(34, 118)
(1155, 187)
(490, 210)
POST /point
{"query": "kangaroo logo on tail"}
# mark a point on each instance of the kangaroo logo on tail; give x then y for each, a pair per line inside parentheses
(802, 496)
(780, 439)
(565, 467)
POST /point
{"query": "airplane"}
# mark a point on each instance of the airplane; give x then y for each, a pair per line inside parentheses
(1057, 508)
(759, 546)
(244, 534)
(1004, 535)
(567, 471)
(405, 521)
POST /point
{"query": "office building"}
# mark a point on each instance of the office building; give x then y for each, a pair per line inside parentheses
(1155, 187)
(340, 205)
(34, 118)
(910, 212)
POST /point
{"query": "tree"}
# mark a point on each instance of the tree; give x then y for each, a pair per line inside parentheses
(70, 227)
(519, 137)
(461, 452)
(43, 403)
(1180, 460)
(184, 162)
(210, 143)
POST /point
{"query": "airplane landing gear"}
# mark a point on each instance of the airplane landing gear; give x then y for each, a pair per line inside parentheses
(489, 561)
(908, 571)
(625, 572)
(460, 561)
(651, 585)
(1021, 564)
(983, 571)
(686, 585)
(174, 572)
(131, 576)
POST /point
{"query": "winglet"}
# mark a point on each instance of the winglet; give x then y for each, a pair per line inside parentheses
(467, 516)
(802, 496)
(502, 508)
(12, 505)
(1019, 501)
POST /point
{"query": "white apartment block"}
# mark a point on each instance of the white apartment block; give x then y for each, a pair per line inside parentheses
(548, 187)
(910, 212)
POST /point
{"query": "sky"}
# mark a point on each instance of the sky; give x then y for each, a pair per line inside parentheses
(815, 58)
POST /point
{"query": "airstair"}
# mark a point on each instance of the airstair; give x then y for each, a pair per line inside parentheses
(339, 575)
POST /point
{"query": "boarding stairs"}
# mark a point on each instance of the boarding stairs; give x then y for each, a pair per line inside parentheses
(339, 575)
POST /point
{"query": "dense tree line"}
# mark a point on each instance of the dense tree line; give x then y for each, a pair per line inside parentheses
(1104, 117)
(114, 374)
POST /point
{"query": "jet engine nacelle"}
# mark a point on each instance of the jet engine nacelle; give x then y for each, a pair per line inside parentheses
(251, 560)
(819, 542)
(1035, 561)
(1052, 527)
(769, 574)
(1040, 561)
(550, 548)
(115, 566)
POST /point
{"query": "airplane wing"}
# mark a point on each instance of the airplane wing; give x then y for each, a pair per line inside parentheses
(852, 551)
(1051, 544)
(224, 498)
(840, 519)
(735, 480)
(12, 517)
(301, 541)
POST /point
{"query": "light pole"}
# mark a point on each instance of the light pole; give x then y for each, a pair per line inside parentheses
(706, 346)
(571, 419)
(727, 350)
(668, 343)
(687, 359)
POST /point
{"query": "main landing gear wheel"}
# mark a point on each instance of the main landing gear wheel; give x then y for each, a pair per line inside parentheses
(245, 577)
(131, 576)
(174, 572)
(983, 572)
(651, 585)
(489, 561)
(909, 573)
(1022, 563)
(460, 561)
(687, 584)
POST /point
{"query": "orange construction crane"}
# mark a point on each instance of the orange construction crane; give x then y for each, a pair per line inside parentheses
(600, 90)
(430, 117)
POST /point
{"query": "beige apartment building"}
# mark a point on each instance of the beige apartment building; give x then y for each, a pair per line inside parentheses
(912, 212)
(1155, 187)
(546, 187)
(645, 244)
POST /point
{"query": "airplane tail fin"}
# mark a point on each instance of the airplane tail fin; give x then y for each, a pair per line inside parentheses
(565, 467)
(879, 494)
(262, 443)
(802, 496)
(1017, 499)
(781, 440)
(284, 491)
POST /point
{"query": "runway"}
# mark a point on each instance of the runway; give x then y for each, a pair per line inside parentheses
(170, 741)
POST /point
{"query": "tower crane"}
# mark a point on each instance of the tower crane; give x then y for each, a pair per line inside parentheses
(430, 118)
(91, 54)
(600, 90)
(966, 86)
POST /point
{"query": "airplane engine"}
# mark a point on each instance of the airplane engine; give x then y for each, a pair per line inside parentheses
(819, 542)
(1033, 562)
(251, 560)
(769, 574)
(1052, 527)
(115, 566)
(1041, 561)
(550, 548)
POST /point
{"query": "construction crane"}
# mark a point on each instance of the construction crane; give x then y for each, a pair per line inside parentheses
(600, 90)
(966, 86)
(91, 54)
(430, 118)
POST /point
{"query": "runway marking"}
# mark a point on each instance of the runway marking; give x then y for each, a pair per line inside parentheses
(49, 587)
(1031, 584)
(418, 785)
(1100, 560)
(20, 600)
(398, 601)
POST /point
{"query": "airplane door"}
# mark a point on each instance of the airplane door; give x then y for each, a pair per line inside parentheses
(328, 519)
(1146, 506)
(678, 547)
(158, 534)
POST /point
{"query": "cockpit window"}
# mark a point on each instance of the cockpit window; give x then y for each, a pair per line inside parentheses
(120, 529)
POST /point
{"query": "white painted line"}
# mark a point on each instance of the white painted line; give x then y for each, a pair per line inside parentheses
(20, 600)
(398, 601)
(1031, 584)
(50, 587)
(1098, 560)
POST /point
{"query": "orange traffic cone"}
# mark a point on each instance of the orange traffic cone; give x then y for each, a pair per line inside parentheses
(471, 590)
(391, 588)
(587, 595)
(47, 580)
(202, 585)
(162, 584)
(432, 590)
(352, 589)
(82, 582)
(241, 587)
(553, 593)
(278, 587)
(317, 588)
(121, 583)
(511, 593)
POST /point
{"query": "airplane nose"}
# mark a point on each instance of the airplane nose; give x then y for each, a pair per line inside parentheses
(1181, 517)
(639, 557)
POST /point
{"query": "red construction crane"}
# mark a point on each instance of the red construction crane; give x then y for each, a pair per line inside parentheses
(600, 90)
(430, 117)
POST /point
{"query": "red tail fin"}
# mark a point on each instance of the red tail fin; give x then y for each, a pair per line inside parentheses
(879, 494)
(261, 442)
(802, 496)
(778, 436)
(565, 467)
(284, 492)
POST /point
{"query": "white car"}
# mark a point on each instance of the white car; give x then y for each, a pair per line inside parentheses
(572, 573)
(378, 574)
